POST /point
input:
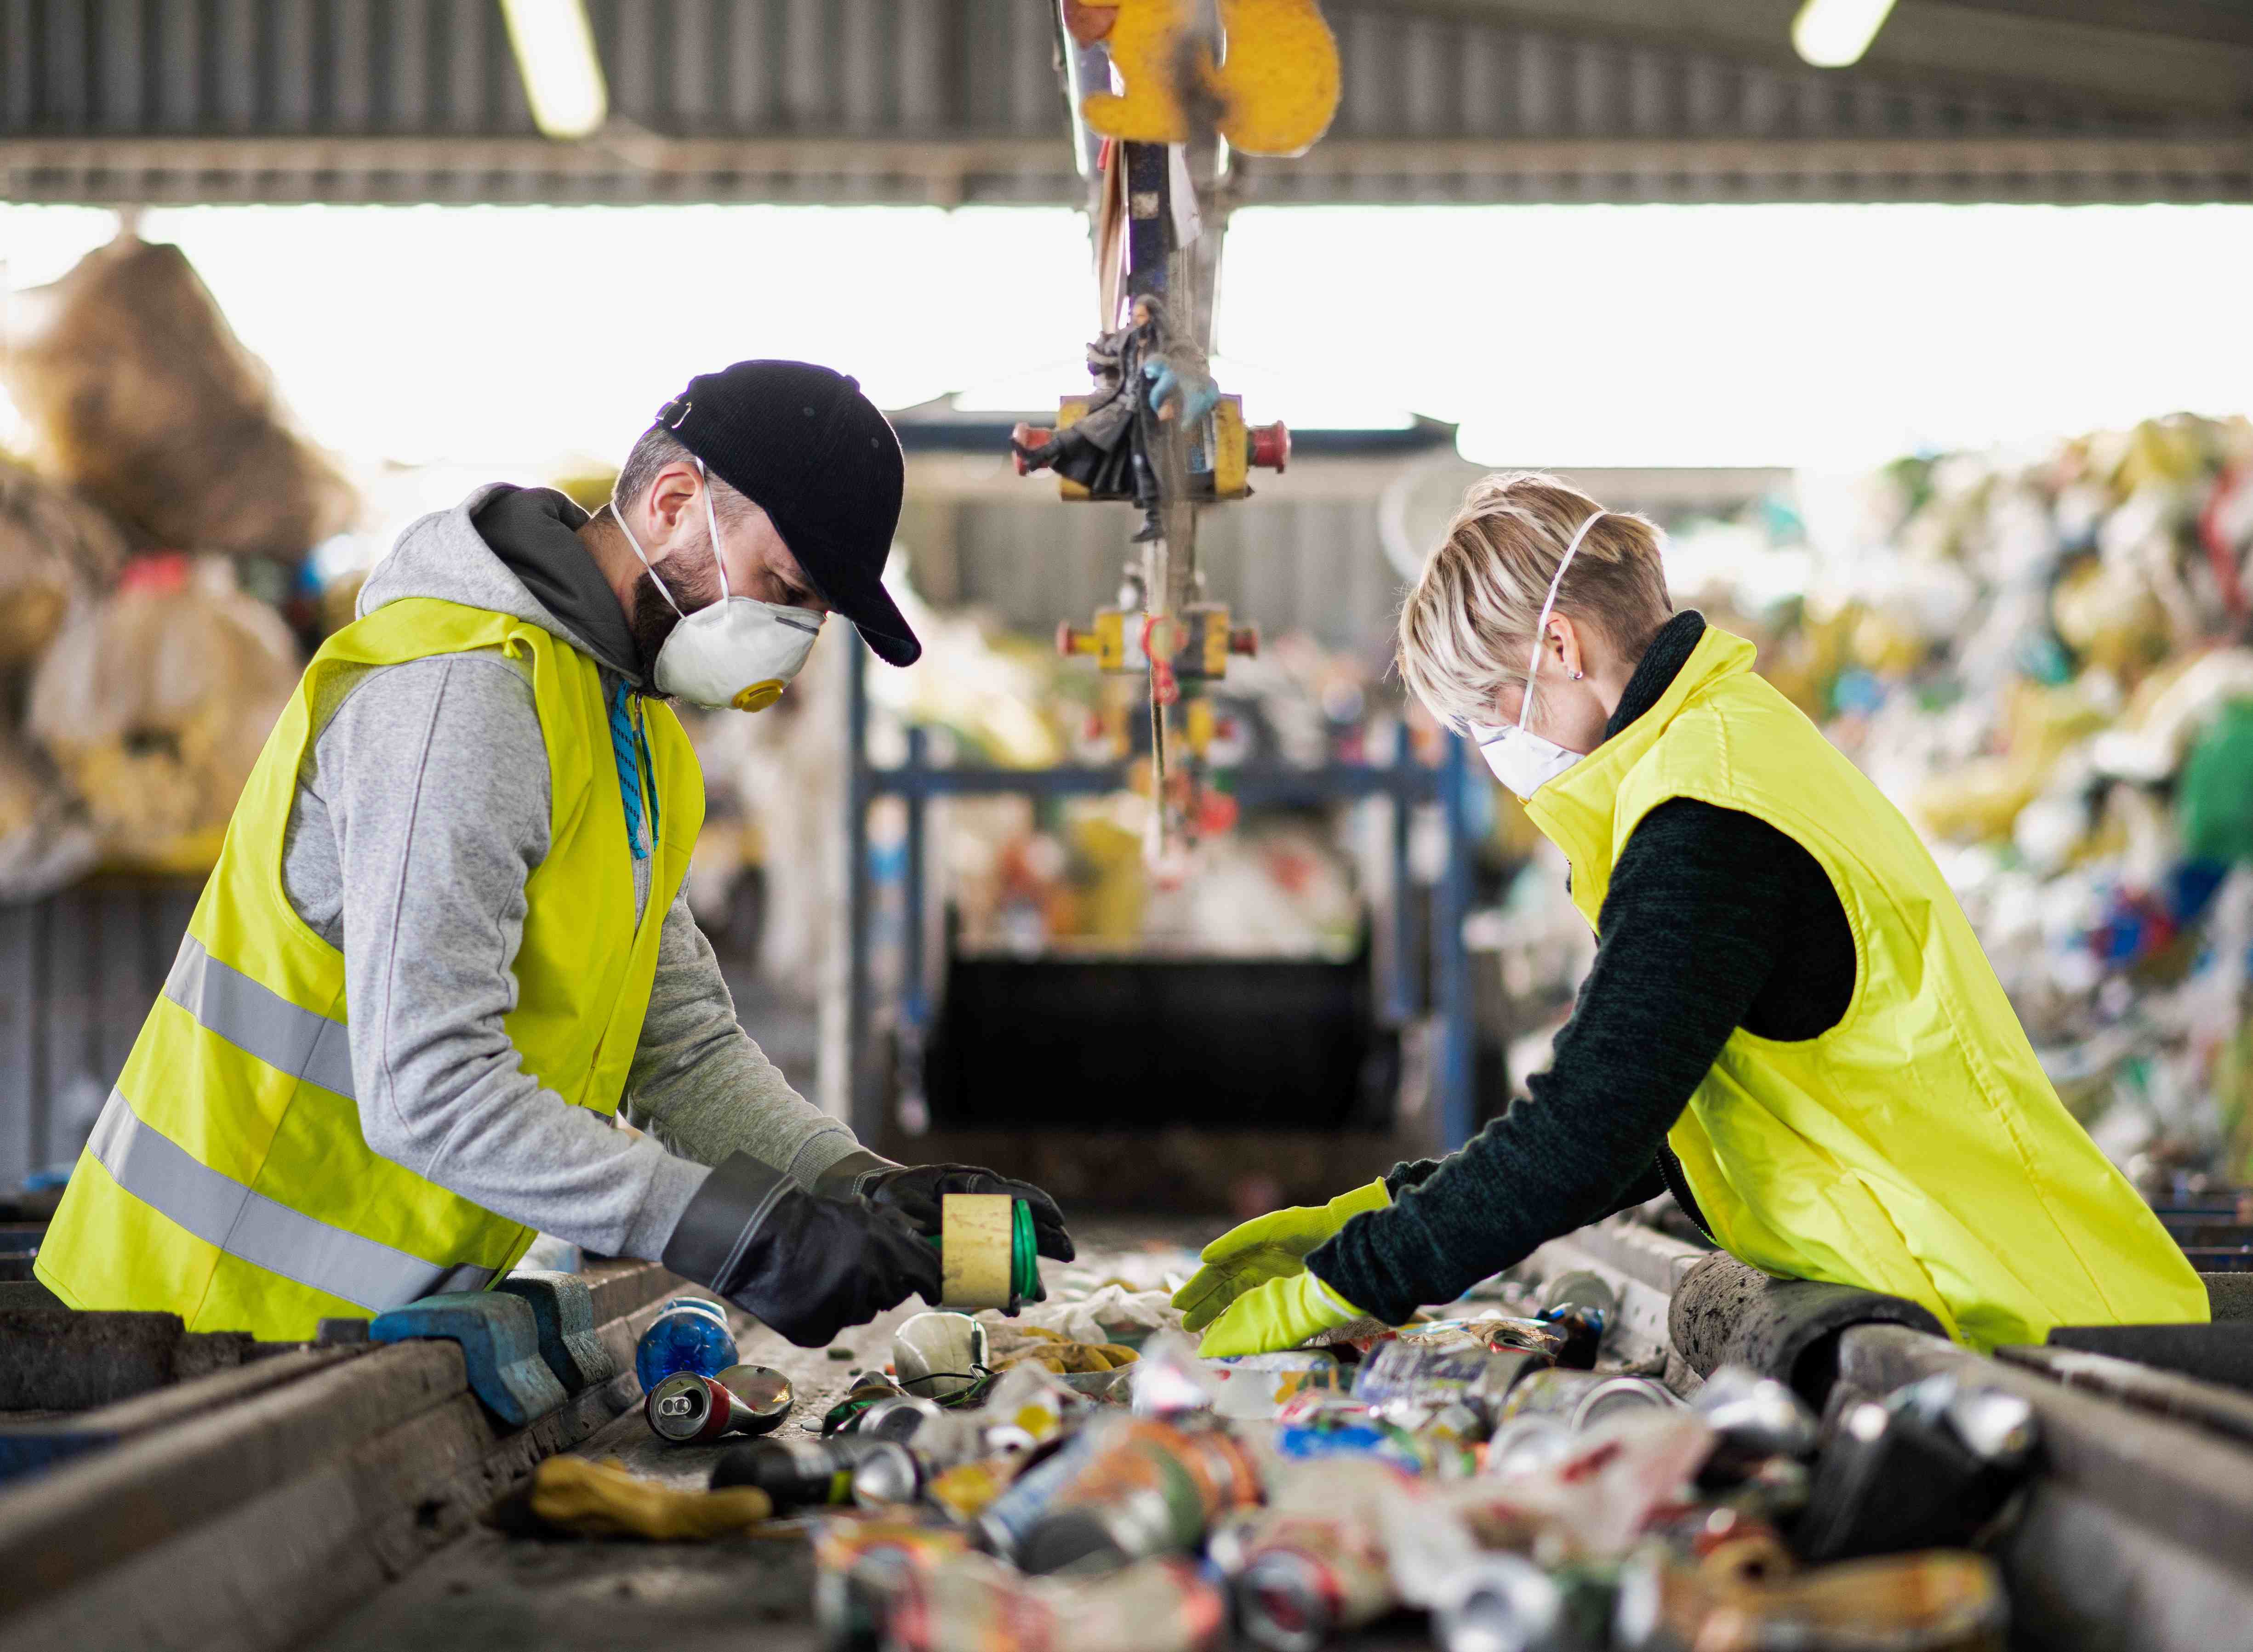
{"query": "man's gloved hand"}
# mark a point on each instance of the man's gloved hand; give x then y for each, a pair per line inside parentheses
(1279, 1314)
(1269, 1247)
(806, 1266)
(914, 1190)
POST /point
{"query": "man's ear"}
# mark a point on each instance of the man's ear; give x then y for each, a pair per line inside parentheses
(671, 493)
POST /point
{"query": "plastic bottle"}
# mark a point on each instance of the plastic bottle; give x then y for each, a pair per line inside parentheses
(688, 1334)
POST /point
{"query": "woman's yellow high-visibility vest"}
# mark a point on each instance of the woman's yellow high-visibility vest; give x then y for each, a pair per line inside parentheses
(1916, 1148)
(227, 1181)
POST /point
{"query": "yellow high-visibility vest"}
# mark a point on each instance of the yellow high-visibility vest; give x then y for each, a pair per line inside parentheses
(1916, 1148)
(227, 1181)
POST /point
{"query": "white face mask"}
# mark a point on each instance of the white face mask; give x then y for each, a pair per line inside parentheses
(1521, 759)
(737, 652)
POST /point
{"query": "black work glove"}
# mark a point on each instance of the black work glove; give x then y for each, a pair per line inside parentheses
(806, 1266)
(914, 1191)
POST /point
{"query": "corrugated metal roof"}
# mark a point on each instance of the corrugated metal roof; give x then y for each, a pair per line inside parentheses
(955, 99)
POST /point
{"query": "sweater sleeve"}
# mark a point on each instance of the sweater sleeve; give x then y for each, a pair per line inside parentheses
(1691, 932)
(702, 1087)
(433, 777)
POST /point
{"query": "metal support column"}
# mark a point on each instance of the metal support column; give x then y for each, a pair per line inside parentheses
(1400, 992)
(864, 1103)
(1451, 974)
(915, 1008)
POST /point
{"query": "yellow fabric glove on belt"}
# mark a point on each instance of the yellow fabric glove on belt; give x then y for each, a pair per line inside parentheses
(1269, 1247)
(1279, 1314)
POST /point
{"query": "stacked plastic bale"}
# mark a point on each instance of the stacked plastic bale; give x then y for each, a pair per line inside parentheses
(160, 533)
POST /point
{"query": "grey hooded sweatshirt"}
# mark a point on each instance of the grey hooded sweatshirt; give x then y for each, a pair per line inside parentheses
(422, 808)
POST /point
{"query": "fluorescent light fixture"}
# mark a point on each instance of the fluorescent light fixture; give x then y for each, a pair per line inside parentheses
(556, 54)
(1832, 33)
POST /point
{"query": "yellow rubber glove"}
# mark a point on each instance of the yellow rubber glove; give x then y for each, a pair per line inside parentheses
(1269, 1247)
(1279, 1314)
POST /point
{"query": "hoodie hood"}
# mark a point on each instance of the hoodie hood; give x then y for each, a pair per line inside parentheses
(443, 556)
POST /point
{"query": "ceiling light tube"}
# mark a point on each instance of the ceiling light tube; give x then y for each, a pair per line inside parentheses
(556, 54)
(1832, 33)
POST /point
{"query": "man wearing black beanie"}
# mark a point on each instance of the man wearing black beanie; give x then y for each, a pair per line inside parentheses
(481, 808)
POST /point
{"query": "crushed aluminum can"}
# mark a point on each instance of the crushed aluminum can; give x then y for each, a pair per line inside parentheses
(863, 1565)
(1994, 1425)
(1583, 1399)
(1583, 1307)
(688, 1408)
(890, 1476)
(1502, 1332)
(974, 1603)
(1502, 1603)
(1151, 1490)
(766, 1391)
(1528, 1444)
(1308, 1576)
(898, 1417)
(1005, 1523)
(1583, 1289)
(1898, 1476)
(940, 1437)
(1429, 1375)
(869, 1388)
(1755, 1416)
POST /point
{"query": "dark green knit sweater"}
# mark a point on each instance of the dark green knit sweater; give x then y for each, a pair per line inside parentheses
(1714, 921)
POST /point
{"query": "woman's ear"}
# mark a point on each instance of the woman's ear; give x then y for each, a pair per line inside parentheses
(1564, 645)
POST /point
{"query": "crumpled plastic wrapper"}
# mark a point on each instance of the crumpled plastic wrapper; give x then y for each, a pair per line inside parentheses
(1111, 1314)
(1011, 1345)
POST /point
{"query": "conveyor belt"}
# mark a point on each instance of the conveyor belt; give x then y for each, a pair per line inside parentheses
(365, 1503)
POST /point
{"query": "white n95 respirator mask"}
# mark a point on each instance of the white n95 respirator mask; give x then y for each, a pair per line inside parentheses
(1521, 759)
(739, 651)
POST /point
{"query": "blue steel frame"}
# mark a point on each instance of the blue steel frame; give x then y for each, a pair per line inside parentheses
(1406, 781)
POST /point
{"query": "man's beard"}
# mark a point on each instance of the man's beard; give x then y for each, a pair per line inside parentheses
(690, 578)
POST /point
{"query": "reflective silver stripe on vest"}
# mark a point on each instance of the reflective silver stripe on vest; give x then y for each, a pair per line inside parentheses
(221, 1211)
(257, 1019)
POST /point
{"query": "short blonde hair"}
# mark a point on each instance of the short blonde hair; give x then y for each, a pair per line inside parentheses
(1467, 629)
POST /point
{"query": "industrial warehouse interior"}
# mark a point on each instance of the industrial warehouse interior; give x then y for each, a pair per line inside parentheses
(946, 826)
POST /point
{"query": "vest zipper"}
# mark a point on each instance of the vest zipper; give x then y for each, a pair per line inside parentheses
(1677, 1184)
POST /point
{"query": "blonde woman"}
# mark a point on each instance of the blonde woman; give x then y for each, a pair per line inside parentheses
(1788, 1022)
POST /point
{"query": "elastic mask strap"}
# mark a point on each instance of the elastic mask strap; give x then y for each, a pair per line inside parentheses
(1541, 625)
(711, 519)
(619, 517)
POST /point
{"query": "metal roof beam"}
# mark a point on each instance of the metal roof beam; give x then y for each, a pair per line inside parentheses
(1039, 170)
